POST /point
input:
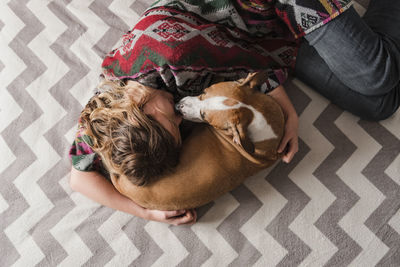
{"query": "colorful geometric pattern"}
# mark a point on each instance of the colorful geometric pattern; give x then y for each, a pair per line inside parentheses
(82, 156)
(176, 43)
(303, 16)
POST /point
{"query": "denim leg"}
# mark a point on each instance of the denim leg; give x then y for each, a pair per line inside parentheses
(312, 70)
(368, 62)
(383, 17)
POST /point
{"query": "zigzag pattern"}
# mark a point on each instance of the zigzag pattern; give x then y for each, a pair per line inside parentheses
(229, 228)
(1, 63)
(345, 197)
(75, 70)
(320, 199)
(370, 196)
(375, 173)
(297, 250)
(16, 216)
(336, 204)
(279, 228)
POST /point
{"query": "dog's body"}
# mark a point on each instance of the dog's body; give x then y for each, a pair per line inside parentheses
(236, 109)
(241, 138)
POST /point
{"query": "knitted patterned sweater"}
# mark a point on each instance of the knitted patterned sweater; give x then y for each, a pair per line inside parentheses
(182, 46)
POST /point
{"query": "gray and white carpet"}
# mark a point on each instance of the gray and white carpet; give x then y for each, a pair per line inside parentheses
(336, 204)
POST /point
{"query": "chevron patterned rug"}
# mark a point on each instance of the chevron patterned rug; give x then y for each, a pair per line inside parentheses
(336, 204)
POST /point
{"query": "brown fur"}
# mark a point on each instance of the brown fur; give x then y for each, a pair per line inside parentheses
(211, 160)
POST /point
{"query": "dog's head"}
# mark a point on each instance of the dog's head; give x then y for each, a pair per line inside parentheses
(221, 106)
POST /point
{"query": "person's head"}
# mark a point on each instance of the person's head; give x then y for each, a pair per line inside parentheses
(134, 129)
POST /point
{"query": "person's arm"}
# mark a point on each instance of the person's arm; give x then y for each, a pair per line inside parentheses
(290, 142)
(96, 187)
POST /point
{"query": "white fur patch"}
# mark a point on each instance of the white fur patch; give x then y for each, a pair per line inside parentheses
(258, 130)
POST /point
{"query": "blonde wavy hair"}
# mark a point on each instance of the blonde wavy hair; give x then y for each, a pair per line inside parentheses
(130, 142)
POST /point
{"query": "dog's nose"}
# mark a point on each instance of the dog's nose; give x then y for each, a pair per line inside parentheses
(179, 106)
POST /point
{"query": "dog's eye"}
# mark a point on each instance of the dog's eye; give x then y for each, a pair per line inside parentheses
(202, 114)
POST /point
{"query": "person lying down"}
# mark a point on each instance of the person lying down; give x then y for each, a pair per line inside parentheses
(176, 49)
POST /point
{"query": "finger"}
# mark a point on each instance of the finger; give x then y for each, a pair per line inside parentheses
(287, 158)
(174, 213)
(293, 148)
(194, 218)
(283, 144)
(185, 219)
(194, 213)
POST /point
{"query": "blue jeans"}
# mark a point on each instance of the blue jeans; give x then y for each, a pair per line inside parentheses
(355, 62)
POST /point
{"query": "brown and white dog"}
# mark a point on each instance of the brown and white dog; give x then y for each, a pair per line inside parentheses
(241, 136)
(253, 120)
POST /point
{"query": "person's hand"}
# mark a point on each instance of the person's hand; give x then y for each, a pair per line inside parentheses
(290, 141)
(174, 217)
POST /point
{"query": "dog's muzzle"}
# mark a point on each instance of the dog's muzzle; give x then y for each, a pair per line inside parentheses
(189, 107)
(179, 106)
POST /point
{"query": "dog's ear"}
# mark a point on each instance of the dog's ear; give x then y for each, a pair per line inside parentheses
(239, 137)
(254, 79)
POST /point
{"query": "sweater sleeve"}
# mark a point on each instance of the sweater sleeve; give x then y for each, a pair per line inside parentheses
(82, 156)
(303, 17)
